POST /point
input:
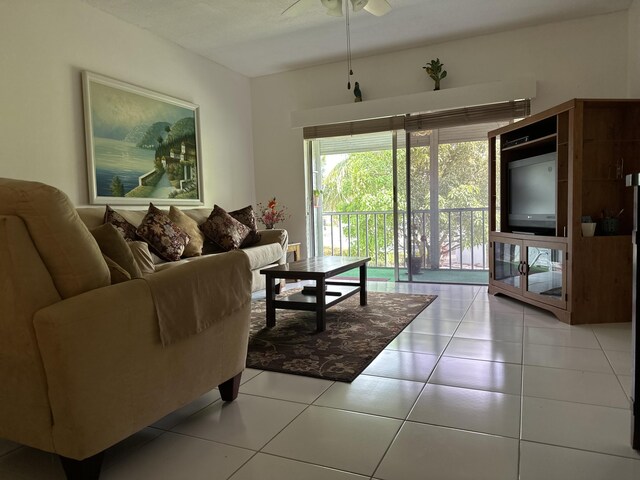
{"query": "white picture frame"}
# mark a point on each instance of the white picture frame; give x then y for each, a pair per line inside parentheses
(142, 146)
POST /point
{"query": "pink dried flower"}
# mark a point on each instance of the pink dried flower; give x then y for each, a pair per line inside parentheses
(271, 214)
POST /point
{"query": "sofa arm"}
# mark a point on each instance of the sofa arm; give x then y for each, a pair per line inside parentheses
(108, 374)
(275, 235)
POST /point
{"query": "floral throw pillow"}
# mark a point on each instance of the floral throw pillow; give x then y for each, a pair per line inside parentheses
(125, 229)
(224, 230)
(247, 217)
(164, 237)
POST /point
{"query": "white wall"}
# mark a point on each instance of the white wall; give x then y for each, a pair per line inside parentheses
(634, 50)
(581, 58)
(45, 44)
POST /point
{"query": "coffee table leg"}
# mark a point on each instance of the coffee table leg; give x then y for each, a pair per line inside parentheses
(363, 284)
(321, 308)
(271, 295)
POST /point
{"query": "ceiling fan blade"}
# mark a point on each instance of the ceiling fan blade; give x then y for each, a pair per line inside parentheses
(298, 7)
(378, 7)
(358, 4)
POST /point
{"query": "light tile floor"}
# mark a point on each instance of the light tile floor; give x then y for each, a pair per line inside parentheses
(477, 387)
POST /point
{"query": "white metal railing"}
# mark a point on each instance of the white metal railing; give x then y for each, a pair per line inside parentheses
(461, 237)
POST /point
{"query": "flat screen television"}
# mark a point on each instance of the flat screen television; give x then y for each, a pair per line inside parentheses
(532, 194)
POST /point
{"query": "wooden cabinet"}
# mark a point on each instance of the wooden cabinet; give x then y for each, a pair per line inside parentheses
(579, 279)
(534, 269)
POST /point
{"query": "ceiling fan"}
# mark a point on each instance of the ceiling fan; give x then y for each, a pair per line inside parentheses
(334, 7)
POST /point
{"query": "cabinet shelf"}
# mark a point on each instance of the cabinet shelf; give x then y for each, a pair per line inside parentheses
(532, 143)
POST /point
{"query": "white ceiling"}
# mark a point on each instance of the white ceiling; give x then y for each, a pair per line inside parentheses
(252, 37)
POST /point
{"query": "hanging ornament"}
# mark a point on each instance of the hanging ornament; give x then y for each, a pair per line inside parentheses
(349, 69)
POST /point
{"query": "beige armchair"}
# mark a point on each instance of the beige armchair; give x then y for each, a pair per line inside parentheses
(81, 362)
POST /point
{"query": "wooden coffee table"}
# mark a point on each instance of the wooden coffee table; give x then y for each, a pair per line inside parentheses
(321, 296)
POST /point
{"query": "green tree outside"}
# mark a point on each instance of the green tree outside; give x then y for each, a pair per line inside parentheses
(363, 182)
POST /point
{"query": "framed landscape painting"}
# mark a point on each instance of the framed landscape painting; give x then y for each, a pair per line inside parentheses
(142, 146)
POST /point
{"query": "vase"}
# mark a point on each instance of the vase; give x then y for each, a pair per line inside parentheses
(415, 265)
(269, 227)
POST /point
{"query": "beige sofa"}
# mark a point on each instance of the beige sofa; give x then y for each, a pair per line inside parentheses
(271, 250)
(81, 362)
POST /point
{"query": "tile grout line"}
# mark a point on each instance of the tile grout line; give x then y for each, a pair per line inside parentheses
(521, 440)
(604, 352)
(404, 422)
(519, 462)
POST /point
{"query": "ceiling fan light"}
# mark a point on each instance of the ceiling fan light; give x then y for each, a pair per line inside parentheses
(332, 5)
(358, 4)
(378, 7)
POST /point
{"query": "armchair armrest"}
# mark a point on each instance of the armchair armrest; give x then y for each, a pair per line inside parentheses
(108, 374)
(275, 235)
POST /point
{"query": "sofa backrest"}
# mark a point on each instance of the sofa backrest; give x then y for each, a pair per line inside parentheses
(94, 216)
(66, 246)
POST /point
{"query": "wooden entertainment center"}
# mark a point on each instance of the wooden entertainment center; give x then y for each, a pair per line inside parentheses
(579, 279)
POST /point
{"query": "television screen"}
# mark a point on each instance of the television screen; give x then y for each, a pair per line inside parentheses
(532, 192)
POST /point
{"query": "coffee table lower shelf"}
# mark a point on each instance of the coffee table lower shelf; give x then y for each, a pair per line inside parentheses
(301, 301)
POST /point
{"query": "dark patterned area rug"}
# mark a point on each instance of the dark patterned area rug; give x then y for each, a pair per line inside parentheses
(354, 336)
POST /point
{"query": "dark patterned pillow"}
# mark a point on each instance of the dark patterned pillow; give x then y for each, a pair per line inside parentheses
(247, 217)
(164, 237)
(127, 230)
(224, 230)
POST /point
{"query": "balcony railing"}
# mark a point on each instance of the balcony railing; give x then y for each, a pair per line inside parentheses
(460, 237)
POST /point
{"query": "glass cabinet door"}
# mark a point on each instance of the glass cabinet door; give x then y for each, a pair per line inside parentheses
(507, 263)
(545, 273)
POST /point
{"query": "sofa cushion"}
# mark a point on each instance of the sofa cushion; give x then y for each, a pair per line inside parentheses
(126, 229)
(164, 237)
(247, 217)
(263, 255)
(118, 274)
(113, 246)
(159, 267)
(142, 256)
(190, 227)
(199, 214)
(224, 230)
(64, 243)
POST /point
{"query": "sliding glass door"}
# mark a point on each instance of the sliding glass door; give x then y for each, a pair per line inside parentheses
(351, 199)
(447, 204)
(419, 211)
